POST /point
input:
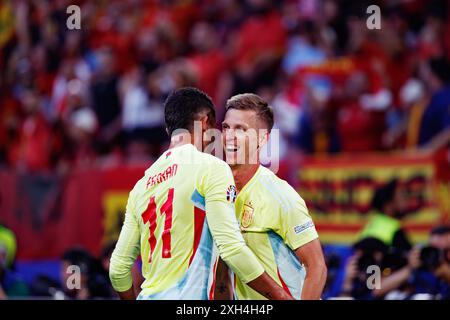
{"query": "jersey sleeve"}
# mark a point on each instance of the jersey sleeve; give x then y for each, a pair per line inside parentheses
(296, 225)
(126, 250)
(217, 186)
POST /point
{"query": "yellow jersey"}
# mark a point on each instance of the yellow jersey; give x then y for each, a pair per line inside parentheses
(179, 216)
(275, 222)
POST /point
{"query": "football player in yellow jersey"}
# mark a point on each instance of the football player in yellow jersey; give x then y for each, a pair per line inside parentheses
(180, 212)
(273, 217)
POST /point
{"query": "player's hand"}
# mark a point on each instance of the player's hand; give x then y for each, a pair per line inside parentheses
(265, 285)
(127, 295)
(285, 296)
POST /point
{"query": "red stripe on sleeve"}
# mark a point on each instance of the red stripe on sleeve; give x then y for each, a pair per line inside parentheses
(285, 287)
(199, 219)
(211, 291)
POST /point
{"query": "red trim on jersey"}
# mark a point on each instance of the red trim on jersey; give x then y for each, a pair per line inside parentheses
(149, 215)
(211, 291)
(167, 208)
(285, 287)
(199, 220)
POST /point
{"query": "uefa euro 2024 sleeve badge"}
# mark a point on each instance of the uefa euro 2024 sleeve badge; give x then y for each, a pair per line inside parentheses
(231, 194)
(247, 216)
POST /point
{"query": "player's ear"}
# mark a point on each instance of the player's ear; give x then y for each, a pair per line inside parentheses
(205, 122)
(263, 138)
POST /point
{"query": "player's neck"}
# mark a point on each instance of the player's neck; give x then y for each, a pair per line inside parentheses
(243, 173)
(180, 139)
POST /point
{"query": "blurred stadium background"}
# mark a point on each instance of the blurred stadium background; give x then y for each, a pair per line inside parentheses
(363, 115)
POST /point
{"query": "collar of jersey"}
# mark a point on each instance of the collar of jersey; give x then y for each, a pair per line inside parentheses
(251, 181)
(182, 146)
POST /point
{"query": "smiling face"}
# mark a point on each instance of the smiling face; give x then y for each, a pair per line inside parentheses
(243, 135)
(245, 129)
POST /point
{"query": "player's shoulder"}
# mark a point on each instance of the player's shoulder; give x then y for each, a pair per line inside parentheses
(213, 163)
(207, 157)
(278, 189)
(268, 177)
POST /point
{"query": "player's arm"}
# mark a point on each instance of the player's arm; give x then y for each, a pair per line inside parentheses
(235, 253)
(223, 289)
(299, 233)
(127, 295)
(311, 256)
(266, 286)
(224, 228)
(124, 255)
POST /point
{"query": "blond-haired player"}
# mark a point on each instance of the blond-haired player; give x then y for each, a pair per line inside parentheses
(273, 217)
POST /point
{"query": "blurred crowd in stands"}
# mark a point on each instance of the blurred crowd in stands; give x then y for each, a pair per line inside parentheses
(76, 97)
(383, 263)
(81, 276)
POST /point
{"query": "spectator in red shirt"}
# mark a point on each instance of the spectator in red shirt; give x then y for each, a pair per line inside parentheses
(33, 147)
(209, 62)
(258, 47)
(360, 128)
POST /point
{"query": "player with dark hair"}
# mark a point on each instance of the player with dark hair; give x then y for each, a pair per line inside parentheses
(177, 212)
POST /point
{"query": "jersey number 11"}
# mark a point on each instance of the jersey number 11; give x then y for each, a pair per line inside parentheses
(150, 216)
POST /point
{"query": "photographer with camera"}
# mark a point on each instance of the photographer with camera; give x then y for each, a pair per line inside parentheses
(367, 252)
(427, 271)
(382, 243)
(389, 204)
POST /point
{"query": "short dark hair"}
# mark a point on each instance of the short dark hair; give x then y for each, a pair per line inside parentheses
(370, 245)
(251, 101)
(182, 107)
(80, 257)
(384, 195)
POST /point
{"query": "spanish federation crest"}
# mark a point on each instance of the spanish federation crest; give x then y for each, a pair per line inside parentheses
(247, 215)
